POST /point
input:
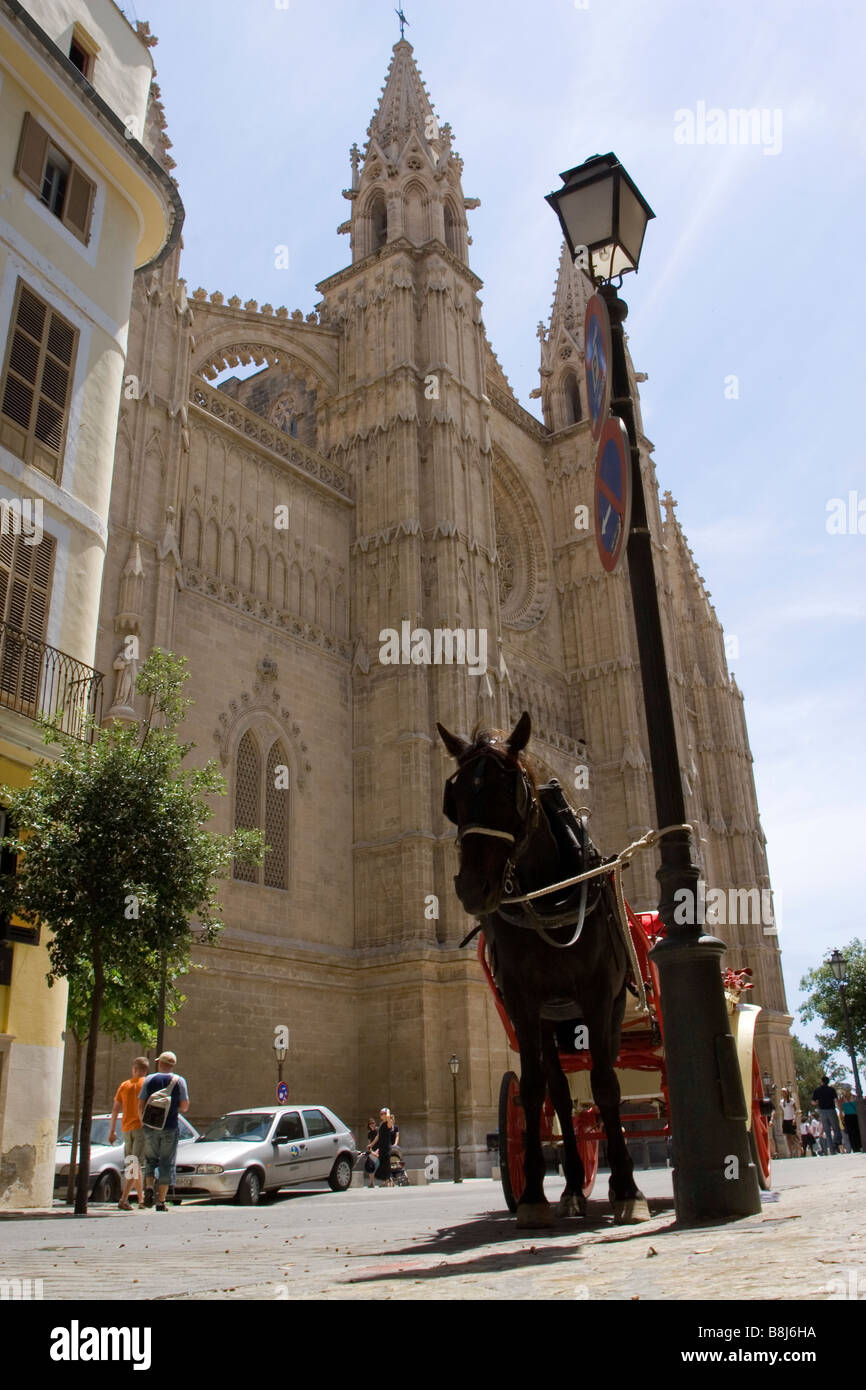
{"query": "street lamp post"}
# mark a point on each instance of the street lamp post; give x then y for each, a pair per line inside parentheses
(604, 217)
(839, 966)
(454, 1065)
(280, 1053)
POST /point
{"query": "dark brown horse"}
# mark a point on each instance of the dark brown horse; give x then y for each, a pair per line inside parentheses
(509, 847)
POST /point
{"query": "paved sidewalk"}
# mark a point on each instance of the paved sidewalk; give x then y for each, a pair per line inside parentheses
(447, 1242)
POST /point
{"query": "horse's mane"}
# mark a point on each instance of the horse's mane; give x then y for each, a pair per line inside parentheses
(497, 739)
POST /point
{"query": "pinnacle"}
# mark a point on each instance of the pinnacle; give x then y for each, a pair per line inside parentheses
(404, 104)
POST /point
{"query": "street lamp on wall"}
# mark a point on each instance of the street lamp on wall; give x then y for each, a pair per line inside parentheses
(280, 1051)
(454, 1067)
(604, 217)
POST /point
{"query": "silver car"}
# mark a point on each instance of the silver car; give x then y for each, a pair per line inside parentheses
(106, 1160)
(250, 1152)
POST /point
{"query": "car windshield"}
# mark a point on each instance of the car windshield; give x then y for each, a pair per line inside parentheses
(249, 1127)
(98, 1132)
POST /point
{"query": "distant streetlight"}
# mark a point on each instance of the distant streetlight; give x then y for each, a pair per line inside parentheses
(839, 965)
(454, 1065)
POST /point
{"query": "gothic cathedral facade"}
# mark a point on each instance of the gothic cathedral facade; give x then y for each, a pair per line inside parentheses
(377, 470)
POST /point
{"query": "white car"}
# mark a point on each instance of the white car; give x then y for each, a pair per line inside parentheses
(106, 1160)
(248, 1153)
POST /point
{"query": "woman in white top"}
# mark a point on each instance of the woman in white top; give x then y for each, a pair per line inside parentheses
(789, 1123)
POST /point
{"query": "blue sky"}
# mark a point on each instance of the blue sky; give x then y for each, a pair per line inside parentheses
(744, 274)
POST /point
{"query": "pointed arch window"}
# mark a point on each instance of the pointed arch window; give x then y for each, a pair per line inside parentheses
(378, 215)
(452, 231)
(262, 803)
(571, 391)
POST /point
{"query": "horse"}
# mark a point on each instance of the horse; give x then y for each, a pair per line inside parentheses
(507, 848)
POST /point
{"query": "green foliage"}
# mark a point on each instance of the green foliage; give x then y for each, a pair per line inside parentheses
(825, 1003)
(114, 857)
(810, 1064)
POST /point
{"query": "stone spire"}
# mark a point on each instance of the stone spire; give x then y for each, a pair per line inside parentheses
(562, 348)
(409, 186)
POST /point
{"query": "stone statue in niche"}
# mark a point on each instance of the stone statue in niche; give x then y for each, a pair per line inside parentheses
(126, 668)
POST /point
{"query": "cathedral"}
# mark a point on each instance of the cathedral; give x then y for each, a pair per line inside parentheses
(370, 471)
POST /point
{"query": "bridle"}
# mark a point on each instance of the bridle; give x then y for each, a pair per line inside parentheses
(526, 802)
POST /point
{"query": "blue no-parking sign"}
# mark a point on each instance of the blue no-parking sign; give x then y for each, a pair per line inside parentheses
(282, 1093)
(597, 363)
(612, 494)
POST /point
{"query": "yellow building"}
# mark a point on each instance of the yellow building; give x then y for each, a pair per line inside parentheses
(85, 201)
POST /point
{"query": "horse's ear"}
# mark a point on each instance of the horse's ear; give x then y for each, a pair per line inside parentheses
(520, 737)
(456, 746)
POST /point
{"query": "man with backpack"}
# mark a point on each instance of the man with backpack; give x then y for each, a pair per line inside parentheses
(162, 1098)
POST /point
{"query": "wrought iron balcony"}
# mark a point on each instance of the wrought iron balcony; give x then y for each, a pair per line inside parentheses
(37, 679)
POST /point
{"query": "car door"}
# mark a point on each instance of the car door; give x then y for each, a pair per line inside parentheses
(289, 1162)
(323, 1144)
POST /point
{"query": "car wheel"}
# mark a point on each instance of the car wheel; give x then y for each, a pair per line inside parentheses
(107, 1187)
(249, 1192)
(341, 1174)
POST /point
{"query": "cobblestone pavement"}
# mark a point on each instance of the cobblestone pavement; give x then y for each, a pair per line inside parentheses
(445, 1242)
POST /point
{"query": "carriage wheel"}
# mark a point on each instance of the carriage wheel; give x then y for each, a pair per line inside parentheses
(512, 1127)
(759, 1134)
(584, 1122)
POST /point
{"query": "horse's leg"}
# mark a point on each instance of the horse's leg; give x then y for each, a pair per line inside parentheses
(605, 1025)
(533, 1208)
(572, 1202)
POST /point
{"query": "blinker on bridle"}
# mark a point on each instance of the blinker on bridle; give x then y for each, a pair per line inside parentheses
(525, 797)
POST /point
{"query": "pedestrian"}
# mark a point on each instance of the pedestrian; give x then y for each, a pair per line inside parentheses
(372, 1145)
(789, 1123)
(852, 1123)
(126, 1105)
(384, 1143)
(825, 1098)
(161, 1128)
(807, 1138)
(818, 1131)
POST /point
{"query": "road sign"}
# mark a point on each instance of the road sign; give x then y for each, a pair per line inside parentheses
(612, 494)
(597, 362)
(282, 1093)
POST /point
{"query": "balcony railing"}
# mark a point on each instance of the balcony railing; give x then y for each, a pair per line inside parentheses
(37, 679)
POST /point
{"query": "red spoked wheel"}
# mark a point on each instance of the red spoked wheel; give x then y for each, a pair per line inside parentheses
(759, 1134)
(584, 1123)
(512, 1127)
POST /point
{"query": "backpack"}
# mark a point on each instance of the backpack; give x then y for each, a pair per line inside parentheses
(158, 1105)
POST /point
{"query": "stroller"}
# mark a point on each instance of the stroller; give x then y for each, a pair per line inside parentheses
(398, 1169)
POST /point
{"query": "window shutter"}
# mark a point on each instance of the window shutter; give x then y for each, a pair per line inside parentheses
(247, 795)
(276, 821)
(37, 388)
(25, 585)
(32, 149)
(78, 205)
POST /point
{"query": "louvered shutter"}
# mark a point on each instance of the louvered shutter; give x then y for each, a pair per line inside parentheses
(78, 204)
(247, 799)
(25, 584)
(32, 149)
(38, 383)
(276, 822)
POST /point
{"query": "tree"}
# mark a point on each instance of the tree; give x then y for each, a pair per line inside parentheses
(130, 1011)
(114, 859)
(810, 1064)
(824, 1001)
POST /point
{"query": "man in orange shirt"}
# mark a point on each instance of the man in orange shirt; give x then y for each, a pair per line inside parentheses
(126, 1102)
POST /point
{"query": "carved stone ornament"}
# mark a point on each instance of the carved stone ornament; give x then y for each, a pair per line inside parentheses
(264, 699)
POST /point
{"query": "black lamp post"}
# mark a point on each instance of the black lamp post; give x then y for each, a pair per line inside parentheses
(454, 1066)
(604, 218)
(839, 965)
(280, 1051)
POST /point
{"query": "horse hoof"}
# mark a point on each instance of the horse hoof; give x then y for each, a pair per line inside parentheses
(630, 1209)
(534, 1214)
(571, 1204)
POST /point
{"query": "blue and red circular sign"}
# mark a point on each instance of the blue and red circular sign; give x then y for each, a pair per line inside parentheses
(597, 362)
(612, 494)
(282, 1093)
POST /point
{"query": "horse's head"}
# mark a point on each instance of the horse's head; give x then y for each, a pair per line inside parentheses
(491, 799)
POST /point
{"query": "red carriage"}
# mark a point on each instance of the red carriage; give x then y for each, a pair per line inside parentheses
(641, 1073)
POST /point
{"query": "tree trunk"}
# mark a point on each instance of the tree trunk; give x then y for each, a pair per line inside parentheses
(76, 1122)
(83, 1183)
